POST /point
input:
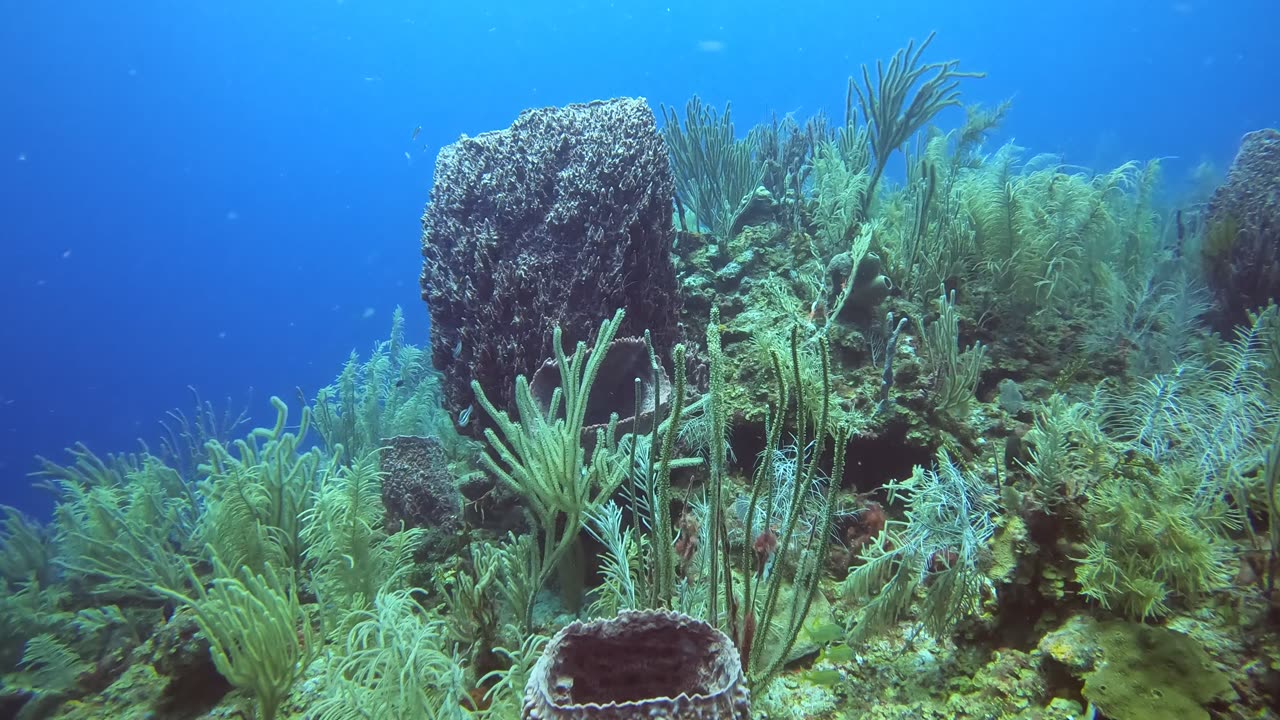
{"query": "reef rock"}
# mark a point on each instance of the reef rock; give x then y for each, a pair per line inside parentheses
(641, 664)
(1241, 250)
(560, 219)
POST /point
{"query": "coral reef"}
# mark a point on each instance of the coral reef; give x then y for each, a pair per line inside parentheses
(955, 444)
(556, 221)
(651, 664)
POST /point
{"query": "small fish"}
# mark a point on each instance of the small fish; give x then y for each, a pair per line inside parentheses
(823, 677)
(838, 654)
(400, 383)
(457, 349)
(415, 133)
(1181, 235)
(826, 632)
(464, 417)
(407, 156)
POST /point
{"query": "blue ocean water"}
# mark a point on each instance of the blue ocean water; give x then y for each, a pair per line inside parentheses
(226, 194)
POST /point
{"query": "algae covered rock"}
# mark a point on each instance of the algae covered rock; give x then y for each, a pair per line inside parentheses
(1138, 672)
(1152, 672)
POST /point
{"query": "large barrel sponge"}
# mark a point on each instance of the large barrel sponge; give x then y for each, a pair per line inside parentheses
(560, 219)
(1241, 252)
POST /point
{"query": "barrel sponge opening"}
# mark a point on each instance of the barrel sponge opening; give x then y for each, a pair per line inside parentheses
(639, 664)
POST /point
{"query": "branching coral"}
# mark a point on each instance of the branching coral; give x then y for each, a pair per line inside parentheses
(1150, 540)
(1068, 452)
(1172, 465)
(396, 663)
(257, 491)
(350, 555)
(839, 188)
(394, 392)
(938, 547)
(25, 550)
(958, 372)
(1050, 240)
(714, 170)
(261, 636)
(1215, 410)
(124, 525)
(49, 667)
(182, 446)
(893, 113)
(765, 619)
(621, 563)
(542, 455)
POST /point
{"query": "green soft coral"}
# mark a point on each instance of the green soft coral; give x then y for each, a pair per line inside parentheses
(349, 552)
(257, 490)
(124, 525)
(262, 638)
(394, 392)
(1149, 541)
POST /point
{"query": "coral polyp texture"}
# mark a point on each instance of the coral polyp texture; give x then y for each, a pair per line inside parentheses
(640, 664)
(557, 220)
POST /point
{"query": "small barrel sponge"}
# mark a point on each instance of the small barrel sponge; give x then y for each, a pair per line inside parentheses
(641, 664)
